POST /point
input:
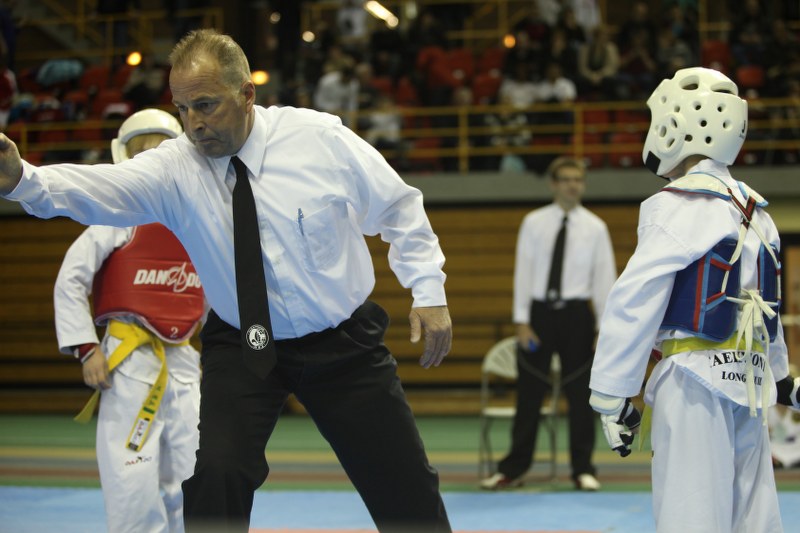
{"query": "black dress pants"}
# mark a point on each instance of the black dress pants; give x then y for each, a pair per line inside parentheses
(568, 329)
(346, 379)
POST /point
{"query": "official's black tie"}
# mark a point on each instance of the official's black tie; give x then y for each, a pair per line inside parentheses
(258, 345)
(556, 264)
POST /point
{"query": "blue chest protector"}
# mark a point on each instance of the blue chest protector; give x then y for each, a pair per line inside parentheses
(701, 301)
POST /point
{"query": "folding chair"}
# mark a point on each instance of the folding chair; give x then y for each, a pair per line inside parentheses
(501, 362)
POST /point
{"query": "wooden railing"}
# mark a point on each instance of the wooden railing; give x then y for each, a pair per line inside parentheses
(457, 139)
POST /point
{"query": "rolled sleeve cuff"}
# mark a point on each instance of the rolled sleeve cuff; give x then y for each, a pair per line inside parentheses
(68, 341)
(615, 386)
(429, 292)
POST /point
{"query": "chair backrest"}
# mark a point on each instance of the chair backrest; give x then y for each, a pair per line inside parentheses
(501, 359)
(750, 76)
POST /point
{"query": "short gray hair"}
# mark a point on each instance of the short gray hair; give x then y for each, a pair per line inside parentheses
(229, 55)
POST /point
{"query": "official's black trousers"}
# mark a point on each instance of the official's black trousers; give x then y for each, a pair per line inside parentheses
(346, 379)
(568, 330)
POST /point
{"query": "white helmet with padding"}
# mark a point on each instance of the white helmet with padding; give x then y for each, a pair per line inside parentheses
(696, 112)
(141, 123)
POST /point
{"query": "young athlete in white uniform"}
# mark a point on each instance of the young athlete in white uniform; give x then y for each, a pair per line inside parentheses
(148, 295)
(701, 292)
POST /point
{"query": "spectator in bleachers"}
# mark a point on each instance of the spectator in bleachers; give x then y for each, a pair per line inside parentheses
(598, 66)
(367, 93)
(673, 53)
(10, 24)
(425, 30)
(523, 51)
(536, 27)
(8, 91)
(336, 58)
(303, 98)
(383, 123)
(381, 127)
(518, 88)
(462, 99)
(638, 67)
(640, 20)
(59, 72)
(555, 87)
(352, 24)
(584, 13)
(509, 129)
(562, 52)
(146, 83)
(587, 15)
(387, 53)
(682, 19)
(550, 10)
(574, 32)
(337, 92)
(748, 34)
(435, 78)
(312, 56)
(782, 48)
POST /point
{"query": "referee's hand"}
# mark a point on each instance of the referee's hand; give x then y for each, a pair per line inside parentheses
(10, 165)
(438, 329)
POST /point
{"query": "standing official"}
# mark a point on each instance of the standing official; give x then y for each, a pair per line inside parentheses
(564, 269)
(272, 205)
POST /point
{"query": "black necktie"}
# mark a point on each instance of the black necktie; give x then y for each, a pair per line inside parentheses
(258, 345)
(556, 264)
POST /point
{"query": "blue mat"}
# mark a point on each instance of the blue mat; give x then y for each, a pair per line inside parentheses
(73, 510)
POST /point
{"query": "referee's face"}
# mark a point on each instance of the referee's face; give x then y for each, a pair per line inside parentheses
(217, 117)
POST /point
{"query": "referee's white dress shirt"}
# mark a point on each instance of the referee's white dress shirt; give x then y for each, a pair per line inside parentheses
(589, 268)
(319, 189)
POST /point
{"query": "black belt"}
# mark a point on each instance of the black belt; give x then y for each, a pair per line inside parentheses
(557, 305)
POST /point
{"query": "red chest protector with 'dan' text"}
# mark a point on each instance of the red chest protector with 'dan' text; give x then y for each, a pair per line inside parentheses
(151, 278)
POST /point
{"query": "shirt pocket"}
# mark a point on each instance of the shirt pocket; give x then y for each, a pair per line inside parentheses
(321, 235)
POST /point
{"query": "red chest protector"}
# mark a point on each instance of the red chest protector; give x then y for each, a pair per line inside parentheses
(152, 278)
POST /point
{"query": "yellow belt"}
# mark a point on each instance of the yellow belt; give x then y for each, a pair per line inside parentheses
(133, 336)
(696, 344)
(671, 347)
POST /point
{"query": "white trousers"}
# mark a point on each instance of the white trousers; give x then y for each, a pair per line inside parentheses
(712, 470)
(142, 490)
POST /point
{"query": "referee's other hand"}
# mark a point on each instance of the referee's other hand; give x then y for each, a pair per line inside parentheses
(438, 330)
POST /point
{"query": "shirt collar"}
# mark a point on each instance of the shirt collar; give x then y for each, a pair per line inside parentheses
(251, 153)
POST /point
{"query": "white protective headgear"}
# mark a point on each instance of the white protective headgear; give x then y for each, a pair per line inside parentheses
(697, 112)
(141, 123)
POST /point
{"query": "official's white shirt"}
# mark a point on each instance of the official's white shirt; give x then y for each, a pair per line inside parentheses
(675, 229)
(334, 95)
(73, 314)
(318, 188)
(589, 268)
(562, 90)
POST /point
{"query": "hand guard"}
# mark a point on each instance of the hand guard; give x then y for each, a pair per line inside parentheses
(789, 392)
(620, 421)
